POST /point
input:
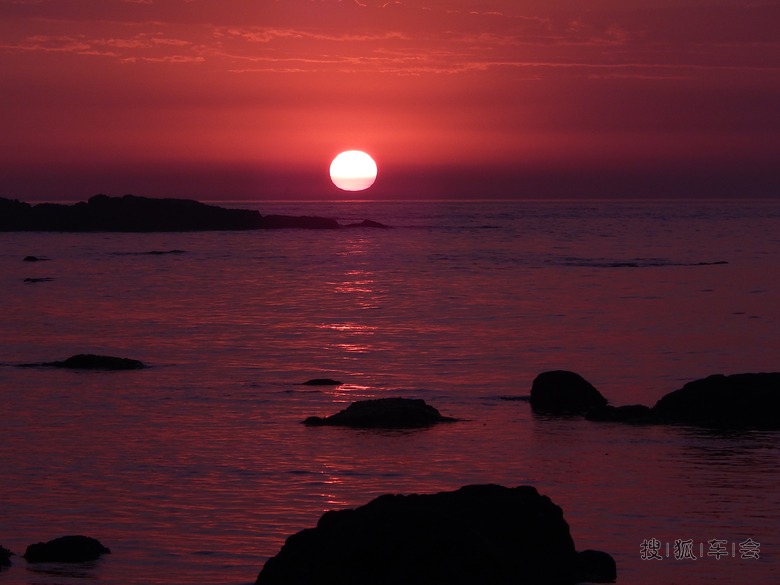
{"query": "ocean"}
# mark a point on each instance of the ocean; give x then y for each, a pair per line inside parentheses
(196, 469)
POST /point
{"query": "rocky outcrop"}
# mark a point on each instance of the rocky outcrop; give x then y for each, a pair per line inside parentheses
(564, 392)
(735, 401)
(477, 534)
(66, 549)
(739, 400)
(89, 361)
(392, 413)
(131, 213)
(5, 556)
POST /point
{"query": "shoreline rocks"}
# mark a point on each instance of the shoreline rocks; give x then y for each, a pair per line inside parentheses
(5, 557)
(476, 534)
(131, 213)
(388, 413)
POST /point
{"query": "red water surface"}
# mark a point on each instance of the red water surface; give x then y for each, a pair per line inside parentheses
(197, 468)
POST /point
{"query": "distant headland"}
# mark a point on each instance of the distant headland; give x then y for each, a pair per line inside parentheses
(132, 213)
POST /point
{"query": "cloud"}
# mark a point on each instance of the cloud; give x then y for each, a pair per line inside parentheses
(400, 38)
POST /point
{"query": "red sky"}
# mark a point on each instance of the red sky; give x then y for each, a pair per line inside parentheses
(251, 99)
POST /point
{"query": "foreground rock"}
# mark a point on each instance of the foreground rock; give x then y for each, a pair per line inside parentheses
(5, 556)
(477, 534)
(739, 400)
(131, 213)
(392, 413)
(89, 361)
(564, 392)
(66, 549)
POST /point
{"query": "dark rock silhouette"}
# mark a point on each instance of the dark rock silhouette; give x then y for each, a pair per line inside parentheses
(322, 382)
(477, 534)
(306, 222)
(132, 213)
(738, 400)
(66, 549)
(595, 566)
(734, 401)
(34, 259)
(632, 413)
(42, 279)
(367, 223)
(5, 556)
(89, 361)
(564, 392)
(394, 413)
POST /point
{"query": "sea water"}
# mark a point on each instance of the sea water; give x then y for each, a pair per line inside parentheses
(196, 469)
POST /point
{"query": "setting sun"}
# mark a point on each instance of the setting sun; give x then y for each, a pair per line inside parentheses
(353, 170)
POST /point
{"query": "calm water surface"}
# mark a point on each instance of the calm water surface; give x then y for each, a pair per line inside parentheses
(196, 469)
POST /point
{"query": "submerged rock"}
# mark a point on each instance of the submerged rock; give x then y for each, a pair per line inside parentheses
(476, 534)
(66, 549)
(738, 400)
(564, 392)
(89, 361)
(396, 413)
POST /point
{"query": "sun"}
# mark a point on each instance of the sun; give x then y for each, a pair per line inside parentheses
(353, 170)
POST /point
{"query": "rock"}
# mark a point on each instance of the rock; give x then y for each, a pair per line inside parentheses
(34, 259)
(66, 549)
(563, 392)
(131, 213)
(306, 222)
(322, 382)
(89, 361)
(5, 557)
(395, 413)
(595, 566)
(632, 414)
(42, 279)
(738, 400)
(367, 223)
(476, 534)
